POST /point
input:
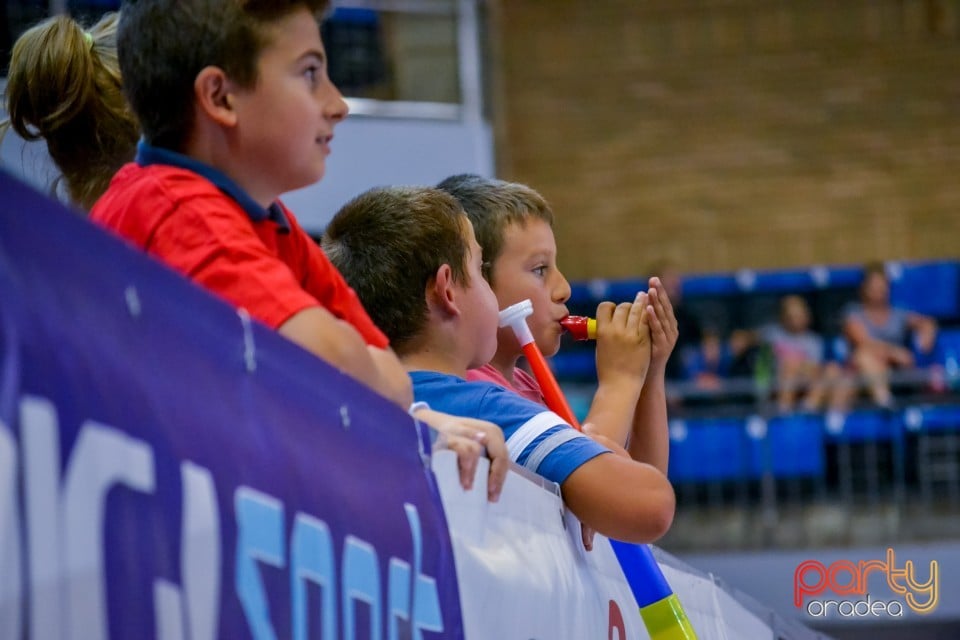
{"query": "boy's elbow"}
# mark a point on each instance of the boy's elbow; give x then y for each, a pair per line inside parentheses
(661, 519)
(652, 519)
(640, 516)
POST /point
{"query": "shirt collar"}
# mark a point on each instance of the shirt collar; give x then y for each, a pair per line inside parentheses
(148, 154)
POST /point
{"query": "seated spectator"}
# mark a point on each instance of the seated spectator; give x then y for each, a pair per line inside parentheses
(879, 335)
(798, 353)
(707, 362)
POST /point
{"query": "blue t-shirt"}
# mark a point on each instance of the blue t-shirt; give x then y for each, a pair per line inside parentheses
(537, 438)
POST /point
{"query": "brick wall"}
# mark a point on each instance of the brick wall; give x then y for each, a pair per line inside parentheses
(733, 133)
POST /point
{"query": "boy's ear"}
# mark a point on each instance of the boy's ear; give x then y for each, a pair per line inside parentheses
(213, 91)
(441, 293)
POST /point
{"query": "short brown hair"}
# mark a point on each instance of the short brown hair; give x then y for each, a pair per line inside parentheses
(164, 44)
(492, 205)
(64, 86)
(389, 243)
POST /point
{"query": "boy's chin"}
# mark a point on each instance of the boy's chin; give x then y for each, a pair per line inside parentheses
(304, 178)
(549, 347)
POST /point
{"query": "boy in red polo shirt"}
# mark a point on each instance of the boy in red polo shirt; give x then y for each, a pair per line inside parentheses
(236, 108)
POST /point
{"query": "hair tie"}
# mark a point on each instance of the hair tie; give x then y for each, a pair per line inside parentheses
(88, 37)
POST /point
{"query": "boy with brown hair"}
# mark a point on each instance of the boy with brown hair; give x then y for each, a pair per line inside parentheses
(411, 255)
(236, 108)
(514, 225)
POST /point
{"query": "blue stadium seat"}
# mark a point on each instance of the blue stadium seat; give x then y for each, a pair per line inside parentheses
(783, 282)
(931, 288)
(932, 418)
(795, 445)
(711, 450)
(948, 346)
(711, 285)
(844, 276)
(868, 425)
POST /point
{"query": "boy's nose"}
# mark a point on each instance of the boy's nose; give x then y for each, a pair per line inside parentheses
(335, 107)
(562, 291)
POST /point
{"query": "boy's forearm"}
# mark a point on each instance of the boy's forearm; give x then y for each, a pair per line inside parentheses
(318, 331)
(612, 410)
(395, 380)
(650, 434)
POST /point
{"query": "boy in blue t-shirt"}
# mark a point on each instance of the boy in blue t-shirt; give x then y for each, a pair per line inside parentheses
(411, 255)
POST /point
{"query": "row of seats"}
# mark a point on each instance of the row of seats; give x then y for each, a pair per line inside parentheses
(750, 299)
(791, 446)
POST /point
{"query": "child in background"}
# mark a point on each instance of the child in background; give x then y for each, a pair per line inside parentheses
(711, 362)
(800, 361)
(236, 108)
(64, 86)
(411, 255)
(514, 225)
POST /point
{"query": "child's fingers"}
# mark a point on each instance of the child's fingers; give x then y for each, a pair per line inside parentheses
(465, 428)
(586, 534)
(468, 452)
(656, 301)
(635, 315)
(499, 465)
(662, 295)
(657, 333)
(621, 315)
(658, 311)
(643, 302)
(490, 439)
(605, 311)
(665, 313)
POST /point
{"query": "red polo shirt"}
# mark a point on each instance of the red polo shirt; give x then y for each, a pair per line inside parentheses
(196, 220)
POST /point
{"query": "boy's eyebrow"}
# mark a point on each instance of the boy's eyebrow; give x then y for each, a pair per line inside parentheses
(313, 53)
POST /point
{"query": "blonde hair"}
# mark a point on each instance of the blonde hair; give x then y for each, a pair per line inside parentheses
(64, 86)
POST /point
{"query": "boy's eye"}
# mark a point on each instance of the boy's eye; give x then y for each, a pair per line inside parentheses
(310, 73)
(540, 271)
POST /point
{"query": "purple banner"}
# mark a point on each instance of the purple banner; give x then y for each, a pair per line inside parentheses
(169, 469)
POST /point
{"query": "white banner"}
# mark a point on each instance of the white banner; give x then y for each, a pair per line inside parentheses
(521, 567)
(523, 573)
